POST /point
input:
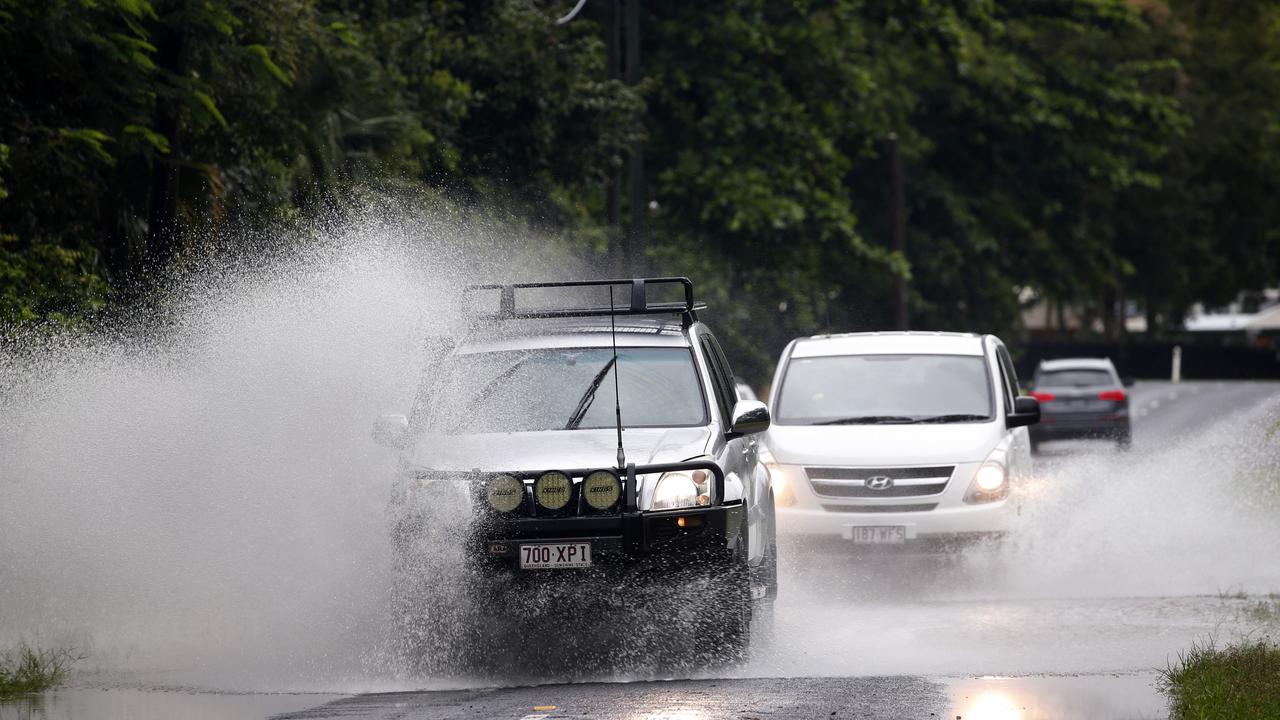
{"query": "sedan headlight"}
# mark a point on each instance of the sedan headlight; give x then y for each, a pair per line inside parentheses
(681, 489)
(991, 482)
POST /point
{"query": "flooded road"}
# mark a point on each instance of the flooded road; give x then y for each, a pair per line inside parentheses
(1121, 560)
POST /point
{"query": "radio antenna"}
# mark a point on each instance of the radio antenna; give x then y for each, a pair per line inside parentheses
(617, 399)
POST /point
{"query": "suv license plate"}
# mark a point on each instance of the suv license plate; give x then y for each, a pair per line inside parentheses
(884, 535)
(554, 556)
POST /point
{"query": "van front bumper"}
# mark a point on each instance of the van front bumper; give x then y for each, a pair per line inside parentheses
(984, 519)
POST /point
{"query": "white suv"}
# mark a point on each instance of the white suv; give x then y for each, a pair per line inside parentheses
(897, 437)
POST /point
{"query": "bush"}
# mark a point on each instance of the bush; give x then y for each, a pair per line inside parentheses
(28, 670)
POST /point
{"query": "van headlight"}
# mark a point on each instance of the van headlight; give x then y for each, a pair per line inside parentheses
(778, 480)
(681, 489)
(991, 482)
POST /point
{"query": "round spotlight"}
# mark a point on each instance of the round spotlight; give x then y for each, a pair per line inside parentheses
(505, 493)
(552, 490)
(602, 489)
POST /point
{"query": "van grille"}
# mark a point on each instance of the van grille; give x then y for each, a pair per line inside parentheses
(903, 482)
(918, 507)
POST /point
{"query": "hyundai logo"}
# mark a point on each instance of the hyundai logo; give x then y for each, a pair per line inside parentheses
(879, 482)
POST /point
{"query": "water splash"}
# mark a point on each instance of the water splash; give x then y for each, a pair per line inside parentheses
(195, 494)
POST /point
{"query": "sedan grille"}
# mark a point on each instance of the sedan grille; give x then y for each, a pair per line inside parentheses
(879, 482)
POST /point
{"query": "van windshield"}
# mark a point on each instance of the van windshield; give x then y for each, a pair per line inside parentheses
(566, 389)
(885, 389)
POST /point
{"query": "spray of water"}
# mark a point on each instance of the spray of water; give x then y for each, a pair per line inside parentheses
(196, 494)
(1118, 561)
(1185, 515)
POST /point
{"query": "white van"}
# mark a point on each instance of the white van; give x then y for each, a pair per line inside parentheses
(898, 438)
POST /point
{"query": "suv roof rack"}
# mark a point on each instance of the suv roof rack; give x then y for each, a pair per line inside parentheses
(639, 303)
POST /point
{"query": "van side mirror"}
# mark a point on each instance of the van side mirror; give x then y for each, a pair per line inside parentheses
(391, 431)
(749, 417)
(1026, 411)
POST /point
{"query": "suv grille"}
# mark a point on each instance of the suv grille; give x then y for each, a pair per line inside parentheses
(901, 482)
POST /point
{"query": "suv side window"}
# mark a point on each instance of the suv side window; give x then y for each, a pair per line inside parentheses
(721, 377)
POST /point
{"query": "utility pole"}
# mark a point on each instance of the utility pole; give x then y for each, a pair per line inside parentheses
(623, 42)
(899, 230)
(613, 187)
(638, 194)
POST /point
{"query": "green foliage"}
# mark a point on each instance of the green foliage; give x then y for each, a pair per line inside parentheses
(1012, 120)
(1084, 151)
(25, 670)
(1240, 681)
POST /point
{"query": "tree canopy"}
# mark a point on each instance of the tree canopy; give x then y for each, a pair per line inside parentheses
(1083, 151)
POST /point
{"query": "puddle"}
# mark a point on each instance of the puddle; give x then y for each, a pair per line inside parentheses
(1100, 697)
(133, 704)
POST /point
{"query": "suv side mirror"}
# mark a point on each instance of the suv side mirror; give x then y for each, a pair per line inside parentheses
(1026, 411)
(391, 431)
(749, 417)
(1128, 381)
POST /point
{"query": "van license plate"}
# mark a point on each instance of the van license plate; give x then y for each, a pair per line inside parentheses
(883, 535)
(555, 556)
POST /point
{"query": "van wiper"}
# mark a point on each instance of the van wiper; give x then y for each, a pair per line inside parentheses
(957, 417)
(868, 420)
(589, 396)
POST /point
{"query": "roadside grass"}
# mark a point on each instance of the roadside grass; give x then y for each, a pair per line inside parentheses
(1239, 681)
(25, 670)
(1264, 610)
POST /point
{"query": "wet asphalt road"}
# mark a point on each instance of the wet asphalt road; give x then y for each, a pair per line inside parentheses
(929, 637)
(896, 697)
(1123, 560)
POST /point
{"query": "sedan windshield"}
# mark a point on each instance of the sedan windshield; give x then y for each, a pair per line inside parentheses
(885, 389)
(567, 389)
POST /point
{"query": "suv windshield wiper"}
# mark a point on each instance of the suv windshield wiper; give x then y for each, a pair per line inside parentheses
(868, 420)
(957, 417)
(589, 396)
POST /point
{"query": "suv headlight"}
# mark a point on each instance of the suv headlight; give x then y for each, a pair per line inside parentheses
(682, 489)
(991, 482)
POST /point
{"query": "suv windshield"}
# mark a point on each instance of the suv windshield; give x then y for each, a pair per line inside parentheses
(885, 389)
(1074, 378)
(567, 389)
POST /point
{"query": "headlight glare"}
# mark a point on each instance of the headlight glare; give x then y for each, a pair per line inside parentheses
(777, 478)
(504, 493)
(552, 490)
(989, 478)
(780, 482)
(601, 489)
(990, 483)
(681, 489)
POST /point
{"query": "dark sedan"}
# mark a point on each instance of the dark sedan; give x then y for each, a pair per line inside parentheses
(1081, 398)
